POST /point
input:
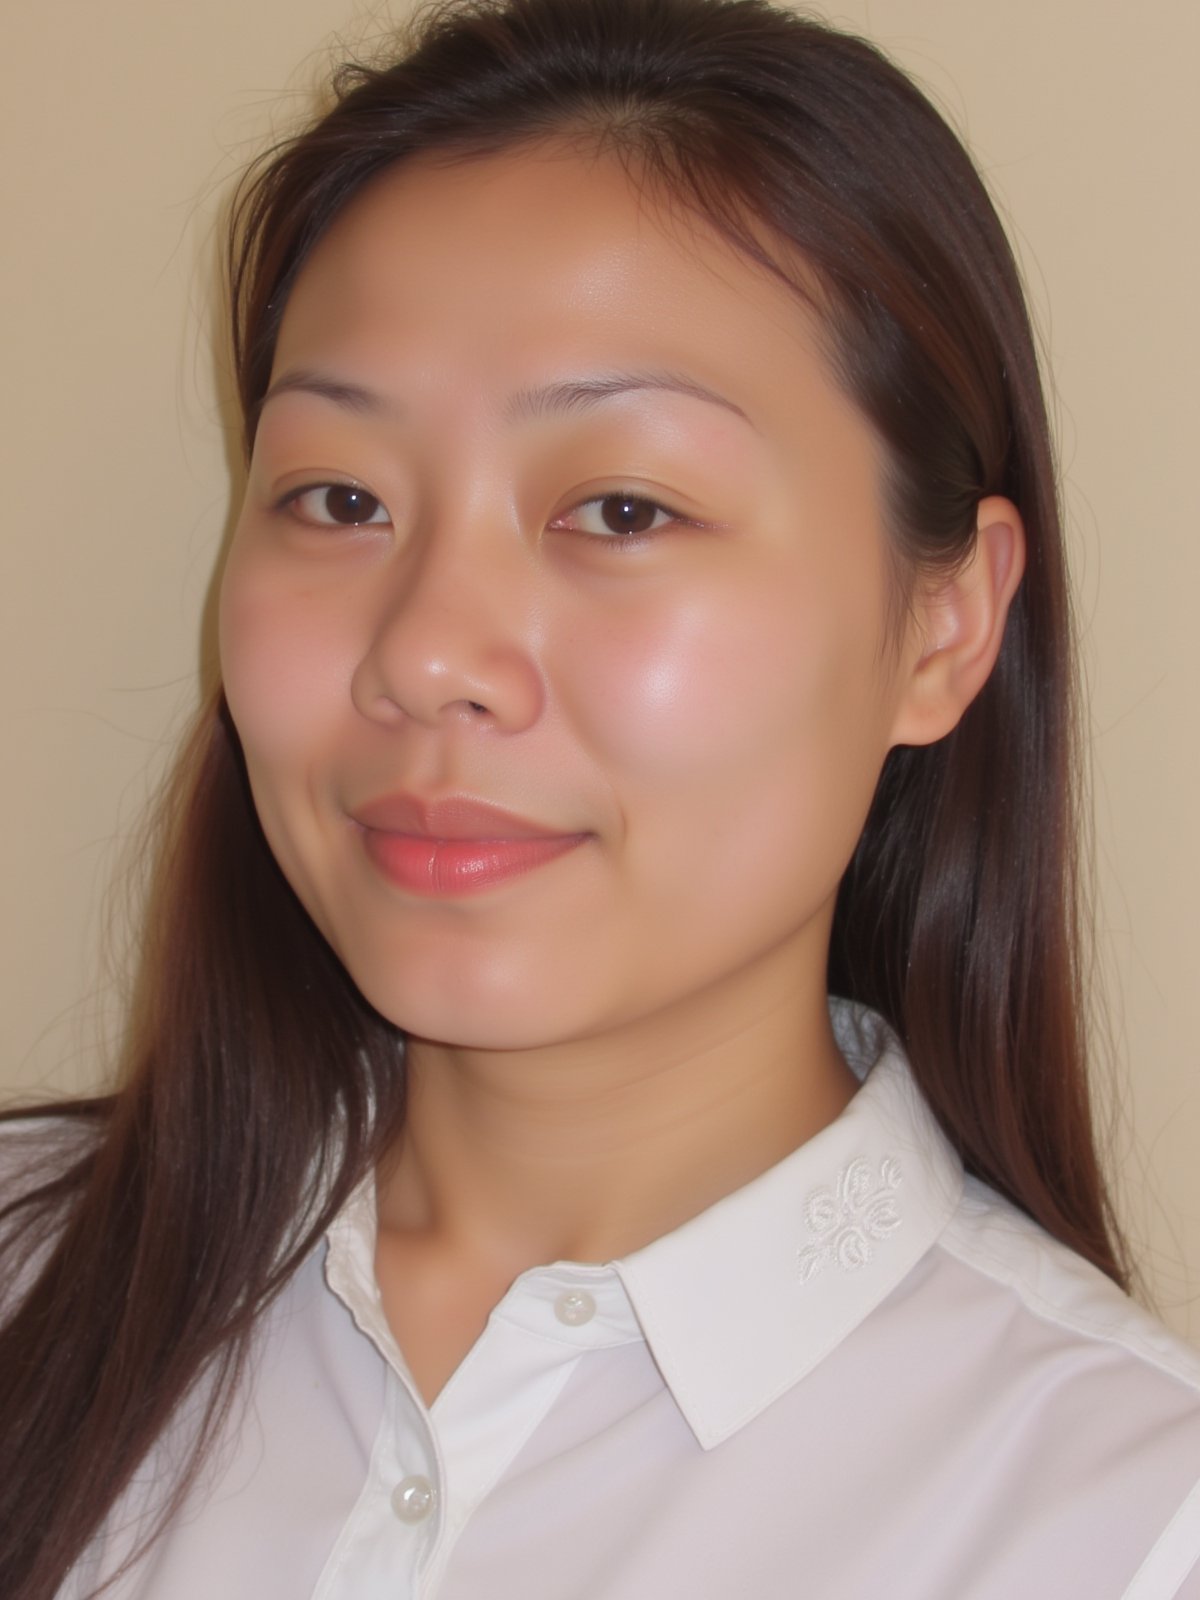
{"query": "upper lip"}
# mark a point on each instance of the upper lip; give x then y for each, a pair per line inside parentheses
(450, 817)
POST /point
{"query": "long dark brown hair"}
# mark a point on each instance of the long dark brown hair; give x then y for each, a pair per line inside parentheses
(259, 1086)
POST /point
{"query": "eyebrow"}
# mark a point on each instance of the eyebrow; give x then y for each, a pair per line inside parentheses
(350, 396)
(582, 394)
(570, 395)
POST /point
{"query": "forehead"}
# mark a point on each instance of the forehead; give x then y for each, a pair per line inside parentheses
(548, 257)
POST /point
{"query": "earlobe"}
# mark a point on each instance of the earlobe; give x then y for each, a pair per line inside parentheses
(958, 627)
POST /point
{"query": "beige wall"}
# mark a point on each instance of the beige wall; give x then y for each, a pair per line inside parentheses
(121, 125)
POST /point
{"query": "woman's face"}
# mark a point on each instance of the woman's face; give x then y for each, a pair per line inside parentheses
(555, 508)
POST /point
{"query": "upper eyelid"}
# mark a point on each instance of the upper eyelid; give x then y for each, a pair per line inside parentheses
(621, 492)
(674, 521)
(290, 497)
(311, 485)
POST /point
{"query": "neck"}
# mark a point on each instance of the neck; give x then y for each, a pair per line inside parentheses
(585, 1152)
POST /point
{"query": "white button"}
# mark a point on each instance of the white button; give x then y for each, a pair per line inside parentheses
(574, 1307)
(412, 1498)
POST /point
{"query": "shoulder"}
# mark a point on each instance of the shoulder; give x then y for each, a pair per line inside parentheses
(1055, 1287)
(39, 1156)
(1086, 1407)
(43, 1146)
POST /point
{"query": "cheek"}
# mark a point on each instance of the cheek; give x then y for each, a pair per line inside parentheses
(642, 689)
(285, 661)
(716, 687)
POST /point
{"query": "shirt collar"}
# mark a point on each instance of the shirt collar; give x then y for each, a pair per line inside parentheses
(743, 1300)
(739, 1303)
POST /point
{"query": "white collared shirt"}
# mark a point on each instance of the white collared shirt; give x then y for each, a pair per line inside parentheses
(860, 1375)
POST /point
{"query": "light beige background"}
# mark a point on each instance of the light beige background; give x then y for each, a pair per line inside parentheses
(121, 125)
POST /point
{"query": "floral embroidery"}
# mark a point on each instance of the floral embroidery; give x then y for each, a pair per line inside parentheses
(847, 1221)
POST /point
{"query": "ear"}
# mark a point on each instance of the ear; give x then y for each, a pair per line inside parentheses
(958, 625)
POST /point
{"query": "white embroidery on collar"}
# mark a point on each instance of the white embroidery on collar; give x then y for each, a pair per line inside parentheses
(845, 1220)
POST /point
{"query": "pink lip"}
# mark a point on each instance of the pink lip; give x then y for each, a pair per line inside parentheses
(455, 845)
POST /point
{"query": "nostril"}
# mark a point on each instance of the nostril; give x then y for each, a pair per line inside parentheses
(475, 706)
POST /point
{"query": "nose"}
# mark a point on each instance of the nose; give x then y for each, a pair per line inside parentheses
(453, 638)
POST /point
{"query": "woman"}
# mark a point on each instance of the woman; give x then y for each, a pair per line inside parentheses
(647, 617)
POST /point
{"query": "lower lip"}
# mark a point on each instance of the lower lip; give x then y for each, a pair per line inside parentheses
(447, 867)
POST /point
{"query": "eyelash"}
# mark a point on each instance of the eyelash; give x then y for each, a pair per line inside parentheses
(292, 499)
(626, 497)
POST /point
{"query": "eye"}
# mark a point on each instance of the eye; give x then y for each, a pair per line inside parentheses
(335, 505)
(617, 516)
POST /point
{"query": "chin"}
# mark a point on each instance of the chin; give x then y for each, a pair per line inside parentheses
(471, 1006)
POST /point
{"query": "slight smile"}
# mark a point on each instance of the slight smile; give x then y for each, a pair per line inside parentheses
(453, 846)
